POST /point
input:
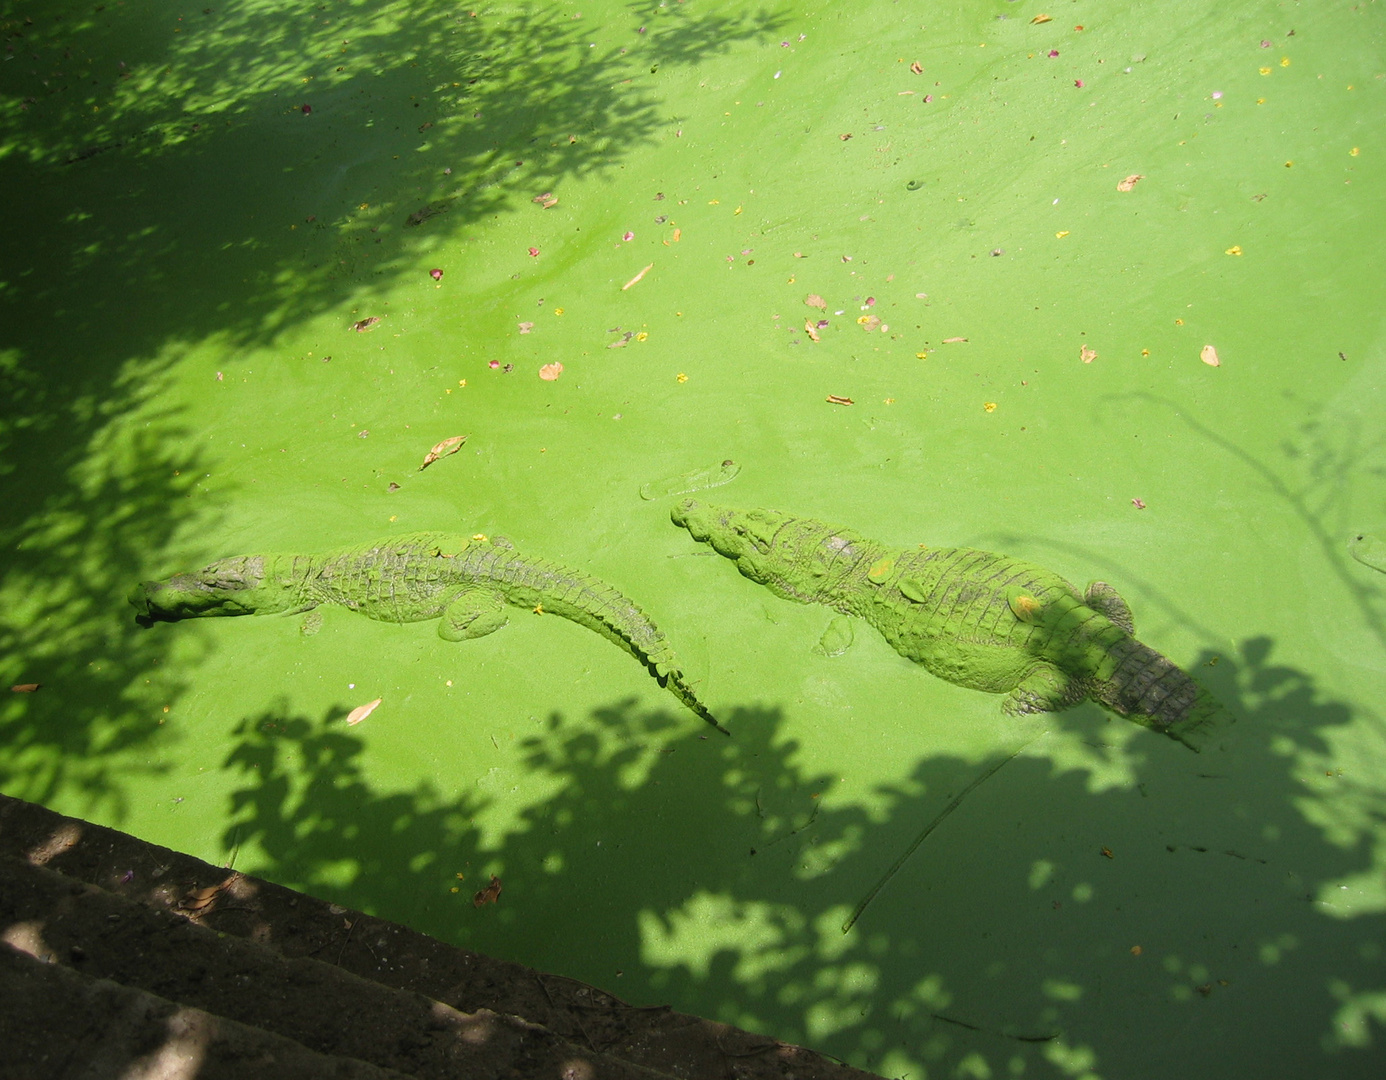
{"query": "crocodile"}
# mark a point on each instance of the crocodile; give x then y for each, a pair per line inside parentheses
(978, 619)
(465, 582)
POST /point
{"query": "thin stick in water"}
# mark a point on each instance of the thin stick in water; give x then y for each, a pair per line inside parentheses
(938, 820)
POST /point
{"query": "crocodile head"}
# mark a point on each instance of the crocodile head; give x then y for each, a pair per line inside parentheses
(229, 587)
(795, 557)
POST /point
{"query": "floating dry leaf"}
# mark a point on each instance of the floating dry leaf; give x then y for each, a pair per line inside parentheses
(549, 372)
(526, 327)
(1129, 182)
(620, 343)
(834, 399)
(869, 322)
(443, 449)
(1087, 355)
(811, 331)
(953, 340)
(366, 323)
(362, 711)
(814, 300)
(917, 68)
(25, 687)
(488, 895)
(1042, 19)
(638, 276)
(545, 200)
(1209, 356)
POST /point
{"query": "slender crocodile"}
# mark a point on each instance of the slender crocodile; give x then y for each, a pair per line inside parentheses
(981, 620)
(465, 582)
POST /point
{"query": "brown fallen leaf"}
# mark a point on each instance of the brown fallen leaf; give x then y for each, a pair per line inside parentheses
(638, 276)
(1129, 182)
(365, 324)
(549, 372)
(362, 711)
(545, 200)
(488, 895)
(811, 331)
(526, 327)
(953, 340)
(1209, 356)
(917, 68)
(199, 902)
(1087, 355)
(621, 342)
(834, 399)
(443, 449)
(869, 322)
(814, 300)
(1041, 19)
(25, 687)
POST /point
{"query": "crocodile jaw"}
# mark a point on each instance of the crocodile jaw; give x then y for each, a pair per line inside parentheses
(229, 587)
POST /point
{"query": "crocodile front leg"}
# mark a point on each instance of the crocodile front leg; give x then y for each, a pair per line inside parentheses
(472, 613)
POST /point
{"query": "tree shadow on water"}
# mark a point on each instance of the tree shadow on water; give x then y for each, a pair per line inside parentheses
(216, 177)
(1101, 906)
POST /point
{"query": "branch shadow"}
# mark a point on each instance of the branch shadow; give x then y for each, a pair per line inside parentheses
(1214, 914)
(222, 177)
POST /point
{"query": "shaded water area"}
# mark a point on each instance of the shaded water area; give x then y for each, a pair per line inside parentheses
(944, 274)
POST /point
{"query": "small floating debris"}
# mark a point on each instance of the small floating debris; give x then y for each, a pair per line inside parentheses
(443, 449)
(362, 711)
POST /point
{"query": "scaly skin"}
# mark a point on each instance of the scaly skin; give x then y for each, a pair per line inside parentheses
(464, 582)
(981, 620)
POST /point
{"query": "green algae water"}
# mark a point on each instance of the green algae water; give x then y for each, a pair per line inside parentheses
(1094, 285)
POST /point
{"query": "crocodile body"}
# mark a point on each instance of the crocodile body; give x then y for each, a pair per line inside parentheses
(464, 582)
(976, 618)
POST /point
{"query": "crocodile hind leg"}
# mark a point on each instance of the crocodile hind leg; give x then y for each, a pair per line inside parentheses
(472, 613)
(1104, 598)
(1045, 689)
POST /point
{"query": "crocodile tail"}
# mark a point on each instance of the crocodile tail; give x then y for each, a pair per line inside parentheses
(675, 684)
(1148, 688)
(590, 602)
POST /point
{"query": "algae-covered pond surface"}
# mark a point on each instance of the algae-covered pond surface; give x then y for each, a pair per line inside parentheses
(944, 274)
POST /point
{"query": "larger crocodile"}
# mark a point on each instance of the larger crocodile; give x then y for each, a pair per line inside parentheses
(465, 582)
(975, 618)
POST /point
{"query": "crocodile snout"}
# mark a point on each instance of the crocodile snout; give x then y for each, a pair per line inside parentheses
(689, 515)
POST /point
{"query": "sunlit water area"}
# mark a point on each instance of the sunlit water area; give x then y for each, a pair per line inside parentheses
(1094, 285)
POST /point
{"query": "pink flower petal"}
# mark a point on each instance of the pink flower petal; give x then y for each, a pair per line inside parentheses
(436, 274)
(534, 252)
(628, 236)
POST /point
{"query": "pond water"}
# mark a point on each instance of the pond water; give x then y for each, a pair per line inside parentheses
(1101, 291)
